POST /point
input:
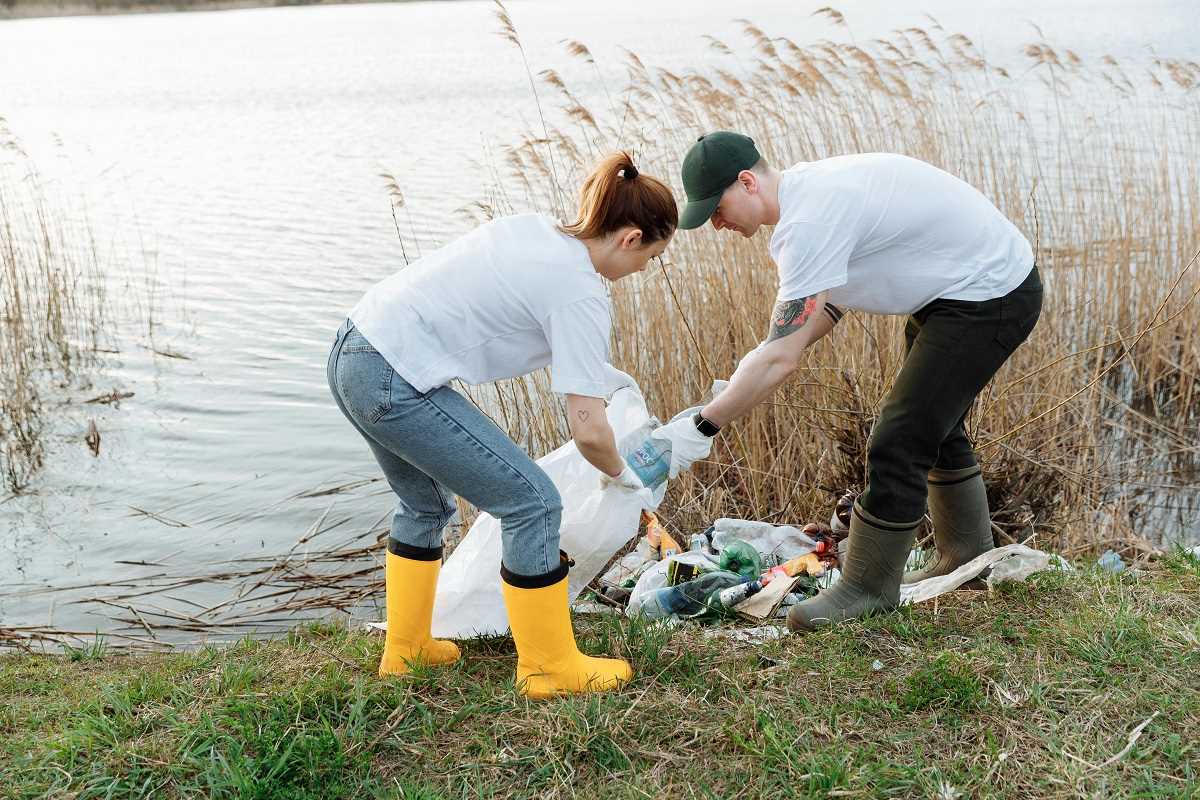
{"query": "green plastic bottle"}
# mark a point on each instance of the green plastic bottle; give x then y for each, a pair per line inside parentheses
(741, 557)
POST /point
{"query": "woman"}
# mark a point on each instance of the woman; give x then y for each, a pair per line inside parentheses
(517, 294)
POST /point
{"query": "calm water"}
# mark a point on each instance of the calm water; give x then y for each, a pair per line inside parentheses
(241, 150)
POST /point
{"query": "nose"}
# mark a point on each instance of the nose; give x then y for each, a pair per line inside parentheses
(717, 222)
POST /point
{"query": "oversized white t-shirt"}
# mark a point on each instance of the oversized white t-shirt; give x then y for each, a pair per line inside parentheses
(514, 295)
(889, 234)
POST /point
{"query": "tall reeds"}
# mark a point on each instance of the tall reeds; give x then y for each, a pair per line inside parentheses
(1093, 425)
(52, 308)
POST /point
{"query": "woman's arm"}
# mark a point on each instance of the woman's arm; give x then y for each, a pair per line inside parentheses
(592, 433)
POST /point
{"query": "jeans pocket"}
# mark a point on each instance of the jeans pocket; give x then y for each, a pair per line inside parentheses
(357, 343)
(364, 382)
(1019, 314)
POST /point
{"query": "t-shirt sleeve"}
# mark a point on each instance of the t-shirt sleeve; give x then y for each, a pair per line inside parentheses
(578, 334)
(811, 257)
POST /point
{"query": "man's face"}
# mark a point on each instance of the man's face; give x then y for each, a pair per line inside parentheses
(740, 208)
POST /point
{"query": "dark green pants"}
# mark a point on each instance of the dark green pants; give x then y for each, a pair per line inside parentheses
(952, 349)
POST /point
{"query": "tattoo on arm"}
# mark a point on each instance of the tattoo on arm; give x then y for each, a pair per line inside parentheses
(790, 316)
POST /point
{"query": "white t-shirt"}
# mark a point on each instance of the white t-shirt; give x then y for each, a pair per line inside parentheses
(512, 296)
(889, 234)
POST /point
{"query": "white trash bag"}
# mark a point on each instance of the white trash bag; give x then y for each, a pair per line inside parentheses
(595, 524)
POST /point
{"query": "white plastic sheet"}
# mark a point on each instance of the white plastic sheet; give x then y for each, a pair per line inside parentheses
(595, 524)
(1013, 562)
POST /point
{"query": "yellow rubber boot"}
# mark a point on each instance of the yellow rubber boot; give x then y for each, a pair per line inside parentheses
(411, 575)
(548, 661)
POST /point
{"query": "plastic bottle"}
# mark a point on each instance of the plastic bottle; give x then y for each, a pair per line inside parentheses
(741, 557)
(651, 459)
(687, 599)
(726, 599)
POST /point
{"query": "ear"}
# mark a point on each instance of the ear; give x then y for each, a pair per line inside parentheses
(749, 181)
(632, 239)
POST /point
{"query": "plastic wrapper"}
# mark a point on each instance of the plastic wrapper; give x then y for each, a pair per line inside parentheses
(1014, 562)
(776, 543)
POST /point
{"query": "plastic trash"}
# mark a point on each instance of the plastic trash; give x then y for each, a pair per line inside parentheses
(778, 541)
(731, 596)
(651, 458)
(759, 635)
(1011, 562)
(595, 524)
(1112, 562)
(655, 577)
(687, 599)
(741, 557)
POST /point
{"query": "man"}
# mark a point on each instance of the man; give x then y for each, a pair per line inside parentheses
(884, 234)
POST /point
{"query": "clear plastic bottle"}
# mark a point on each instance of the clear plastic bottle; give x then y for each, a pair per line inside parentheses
(651, 459)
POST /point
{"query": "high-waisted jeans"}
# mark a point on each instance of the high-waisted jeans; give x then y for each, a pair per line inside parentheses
(952, 349)
(437, 444)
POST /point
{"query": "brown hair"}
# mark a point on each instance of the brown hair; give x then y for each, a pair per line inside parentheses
(615, 194)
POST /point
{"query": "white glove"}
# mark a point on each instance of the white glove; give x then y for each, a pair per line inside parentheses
(688, 445)
(628, 479)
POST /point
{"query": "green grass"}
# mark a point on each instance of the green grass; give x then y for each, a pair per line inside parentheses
(1027, 691)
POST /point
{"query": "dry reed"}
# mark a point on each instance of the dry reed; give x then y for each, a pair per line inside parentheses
(1088, 431)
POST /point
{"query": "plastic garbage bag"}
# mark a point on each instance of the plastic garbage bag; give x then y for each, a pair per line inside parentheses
(779, 542)
(595, 524)
(1011, 562)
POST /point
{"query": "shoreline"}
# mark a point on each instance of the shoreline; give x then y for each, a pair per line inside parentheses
(43, 9)
(1071, 684)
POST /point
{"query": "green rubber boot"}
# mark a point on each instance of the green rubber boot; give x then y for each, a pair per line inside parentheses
(871, 573)
(962, 524)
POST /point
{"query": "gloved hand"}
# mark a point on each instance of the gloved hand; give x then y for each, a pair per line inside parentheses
(628, 479)
(688, 445)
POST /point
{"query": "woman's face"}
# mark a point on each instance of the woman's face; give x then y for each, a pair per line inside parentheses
(629, 255)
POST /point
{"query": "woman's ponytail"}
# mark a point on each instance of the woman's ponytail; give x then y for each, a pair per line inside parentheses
(616, 195)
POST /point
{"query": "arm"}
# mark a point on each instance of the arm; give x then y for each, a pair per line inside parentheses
(592, 433)
(795, 324)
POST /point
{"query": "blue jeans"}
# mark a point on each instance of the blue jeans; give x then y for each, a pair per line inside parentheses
(434, 445)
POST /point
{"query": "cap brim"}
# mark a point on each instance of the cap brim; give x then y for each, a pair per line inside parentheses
(698, 212)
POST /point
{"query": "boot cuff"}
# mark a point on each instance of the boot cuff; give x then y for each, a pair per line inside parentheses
(414, 553)
(538, 581)
(949, 477)
(883, 524)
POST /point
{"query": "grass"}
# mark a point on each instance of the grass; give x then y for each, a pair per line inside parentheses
(1034, 690)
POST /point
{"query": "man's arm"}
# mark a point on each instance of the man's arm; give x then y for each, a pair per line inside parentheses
(795, 324)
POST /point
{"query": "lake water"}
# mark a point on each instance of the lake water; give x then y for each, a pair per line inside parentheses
(241, 151)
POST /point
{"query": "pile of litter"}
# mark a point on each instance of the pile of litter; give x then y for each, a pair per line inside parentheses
(756, 571)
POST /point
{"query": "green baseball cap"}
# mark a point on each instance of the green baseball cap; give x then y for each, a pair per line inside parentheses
(709, 168)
